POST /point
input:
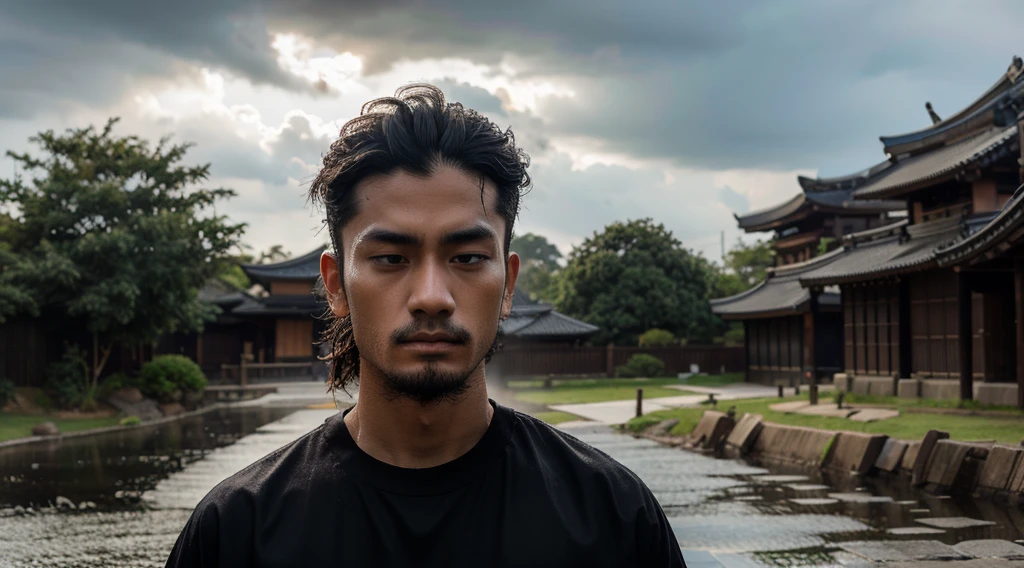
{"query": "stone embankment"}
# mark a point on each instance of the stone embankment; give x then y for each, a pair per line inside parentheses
(935, 463)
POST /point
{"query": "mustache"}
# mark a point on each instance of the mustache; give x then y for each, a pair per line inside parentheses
(460, 333)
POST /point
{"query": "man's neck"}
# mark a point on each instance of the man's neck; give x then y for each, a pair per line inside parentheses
(405, 433)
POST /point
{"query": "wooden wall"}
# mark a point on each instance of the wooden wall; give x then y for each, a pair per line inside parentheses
(871, 329)
(294, 338)
(775, 349)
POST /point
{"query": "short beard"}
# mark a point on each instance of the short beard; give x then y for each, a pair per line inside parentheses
(429, 386)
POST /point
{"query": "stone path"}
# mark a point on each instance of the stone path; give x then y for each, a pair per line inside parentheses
(855, 414)
(620, 411)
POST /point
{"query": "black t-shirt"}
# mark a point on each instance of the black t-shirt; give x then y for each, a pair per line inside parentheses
(526, 494)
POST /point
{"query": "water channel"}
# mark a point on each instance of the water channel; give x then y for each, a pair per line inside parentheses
(125, 496)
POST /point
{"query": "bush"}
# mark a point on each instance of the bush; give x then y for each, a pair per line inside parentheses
(42, 400)
(115, 382)
(165, 374)
(67, 380)
(6, 392)
(641, 365)
(658, 338)
(131, 421)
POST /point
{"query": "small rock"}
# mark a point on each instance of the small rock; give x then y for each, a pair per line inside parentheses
(130, 395)
(35, 466)
(30, 511)
(86, 505)
(64, 502)
(45, 429)
(19, 510)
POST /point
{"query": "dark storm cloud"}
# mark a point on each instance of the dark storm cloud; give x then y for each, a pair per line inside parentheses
(781, 85)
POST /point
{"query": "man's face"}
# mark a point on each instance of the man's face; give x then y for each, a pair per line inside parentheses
(425, 280)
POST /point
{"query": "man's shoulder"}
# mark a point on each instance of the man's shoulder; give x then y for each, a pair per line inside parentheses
(560, 450)
(270, 475)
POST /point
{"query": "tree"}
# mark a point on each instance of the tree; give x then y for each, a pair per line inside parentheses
(273, 254)
(657, 338)
(632, 277)
(745, 266)
(109, 239)
(538, 267)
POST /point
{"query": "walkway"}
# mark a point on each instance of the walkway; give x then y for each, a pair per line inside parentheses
(620, 411)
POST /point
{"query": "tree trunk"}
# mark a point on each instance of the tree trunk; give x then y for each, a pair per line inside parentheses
(98, 360)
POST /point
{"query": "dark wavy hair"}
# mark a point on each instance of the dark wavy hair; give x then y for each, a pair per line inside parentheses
(417, 130)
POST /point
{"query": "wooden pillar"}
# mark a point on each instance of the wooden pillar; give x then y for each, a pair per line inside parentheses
(810, 361)
(746, 352)
(610, 361)
(199, 350)
(905, 365)
(1018, 293)
(966, 339)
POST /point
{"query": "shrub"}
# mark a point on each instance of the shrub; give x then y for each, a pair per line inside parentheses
(165, 374)
(131, 421)
(658, 338)
(68, 382)
(641, 365)
(42, 400)
(6, 392)
(116, 381)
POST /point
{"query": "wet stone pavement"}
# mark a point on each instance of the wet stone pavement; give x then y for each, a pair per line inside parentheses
(138, 490)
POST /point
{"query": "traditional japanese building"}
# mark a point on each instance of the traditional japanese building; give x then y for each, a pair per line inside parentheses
(791, 334)
(919, 318)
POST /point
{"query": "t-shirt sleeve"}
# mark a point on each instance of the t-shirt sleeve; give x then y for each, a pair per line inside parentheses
(656, 540)
(217, 535)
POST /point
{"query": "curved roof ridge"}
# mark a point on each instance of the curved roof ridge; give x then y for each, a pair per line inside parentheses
(739, 296)
(798, 268)
(1009, 84)
(870, 234)
(848, 181)
(315, 253)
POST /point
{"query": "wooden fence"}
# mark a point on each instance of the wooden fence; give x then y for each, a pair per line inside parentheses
(569, 361)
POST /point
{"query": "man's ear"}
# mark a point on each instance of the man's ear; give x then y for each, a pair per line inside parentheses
(331, 274)
(511, 275)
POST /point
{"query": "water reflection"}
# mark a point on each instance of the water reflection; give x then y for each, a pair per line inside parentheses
(113, 469)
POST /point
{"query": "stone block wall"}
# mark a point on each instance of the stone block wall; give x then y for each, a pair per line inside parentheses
(794, 444)
(854, 452)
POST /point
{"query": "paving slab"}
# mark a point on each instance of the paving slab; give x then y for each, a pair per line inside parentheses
(827, 410)
(920, 511)
(991, 548)
(791, 406)
(892, 454)
(874, 414)
(986, 563)
(915, 531)
(860, 498)
(908, 502)
(779, 478)
(812, 502)
(902, 550)
(749, 498)
(954, 522)
(807, 487)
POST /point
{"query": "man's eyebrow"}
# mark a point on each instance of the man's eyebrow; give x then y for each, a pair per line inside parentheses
(390, 237)
(469, 235)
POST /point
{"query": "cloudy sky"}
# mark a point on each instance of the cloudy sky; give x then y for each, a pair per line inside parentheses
(682, 111)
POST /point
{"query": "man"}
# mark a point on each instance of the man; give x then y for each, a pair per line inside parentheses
(425, 470)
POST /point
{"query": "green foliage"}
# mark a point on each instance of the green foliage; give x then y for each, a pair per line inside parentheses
(658, 338)
(641, 365)
(634, 276)
(116, 381)
(43, 400)
(535, 248)
(745, 266)
(167, 374)
(68, 380)
(826, 244)
(735, 334)
(6, 392)
(130, 421)
(111, 236)
(538, 267)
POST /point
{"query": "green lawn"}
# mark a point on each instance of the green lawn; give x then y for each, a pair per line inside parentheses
(592, 390)
(907, 426)
(20, 425)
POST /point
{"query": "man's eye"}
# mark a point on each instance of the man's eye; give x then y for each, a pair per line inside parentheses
(470, 258)
(388, 259)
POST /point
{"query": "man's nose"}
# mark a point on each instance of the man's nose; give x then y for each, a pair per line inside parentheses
(431, 292)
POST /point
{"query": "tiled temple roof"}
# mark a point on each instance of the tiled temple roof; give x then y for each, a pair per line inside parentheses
(803, 204)
(779, 294)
